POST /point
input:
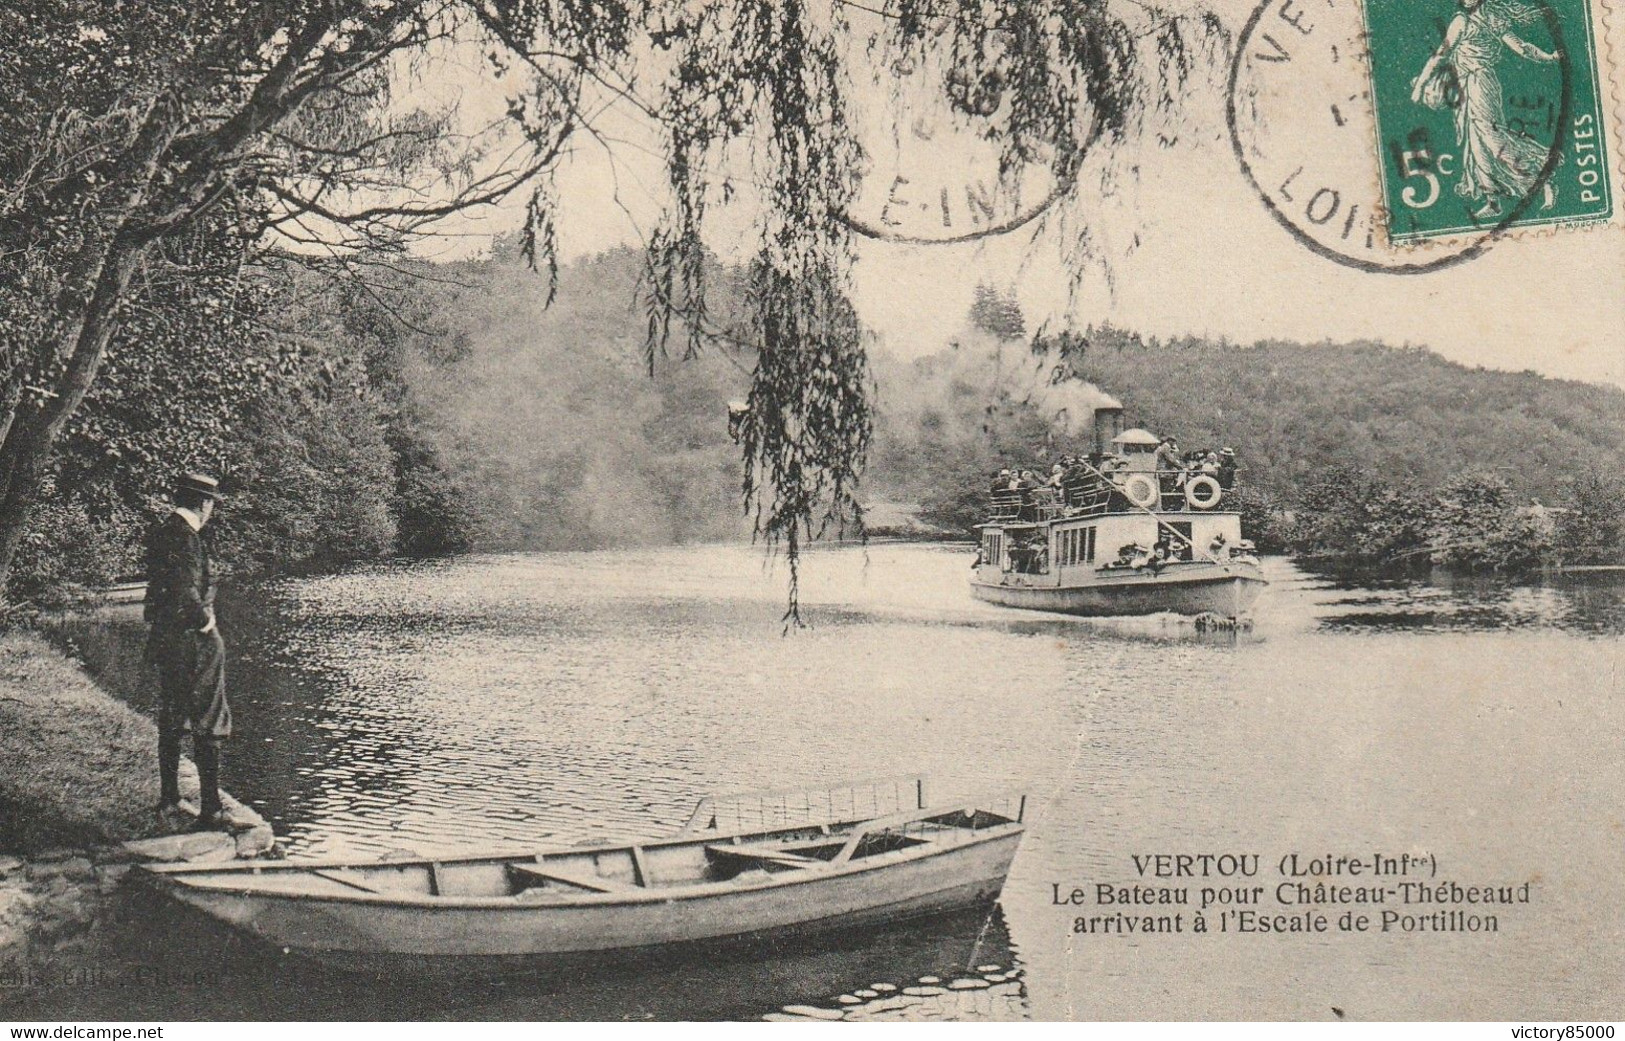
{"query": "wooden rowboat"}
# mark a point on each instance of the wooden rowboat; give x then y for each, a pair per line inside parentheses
(728, 877)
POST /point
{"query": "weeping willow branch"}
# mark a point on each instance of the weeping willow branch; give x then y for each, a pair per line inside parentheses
(288, 102)
(807, 432)
(773, 71)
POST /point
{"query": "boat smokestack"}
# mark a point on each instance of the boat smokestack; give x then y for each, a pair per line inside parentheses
(1108, 424)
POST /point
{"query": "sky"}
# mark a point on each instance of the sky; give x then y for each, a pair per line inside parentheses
(1181, 244)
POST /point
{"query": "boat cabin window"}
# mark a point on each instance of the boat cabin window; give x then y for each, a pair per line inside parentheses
(1181, 548)
(1077, 546)
(993, 547)
(1028, 552)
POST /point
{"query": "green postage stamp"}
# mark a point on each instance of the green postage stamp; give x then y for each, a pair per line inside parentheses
(1490, 115)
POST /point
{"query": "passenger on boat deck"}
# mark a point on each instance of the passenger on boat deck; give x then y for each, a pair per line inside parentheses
(1167, 457)
(1076, 482)
(1057, 474)
(1209, 464)
(1045, 492)
(1227, 468)
(1025, 557)
(1027, 485)
(1001, 481)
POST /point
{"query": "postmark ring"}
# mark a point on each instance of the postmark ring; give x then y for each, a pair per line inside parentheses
(1469, 251)
(1059, 189)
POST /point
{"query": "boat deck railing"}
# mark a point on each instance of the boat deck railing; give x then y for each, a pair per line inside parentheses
(1046, 504)
(1090, 497)
(767, 811)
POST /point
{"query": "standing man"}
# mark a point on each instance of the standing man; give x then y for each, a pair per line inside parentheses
(1169, 461)
(1170, 469)
(184, 645)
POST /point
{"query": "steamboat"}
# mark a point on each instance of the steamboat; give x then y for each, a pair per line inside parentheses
(1123, 531)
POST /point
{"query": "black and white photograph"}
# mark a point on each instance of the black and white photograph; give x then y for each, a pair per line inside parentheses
(625, 511)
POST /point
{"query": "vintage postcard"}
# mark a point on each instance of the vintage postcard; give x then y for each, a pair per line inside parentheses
(811, 510)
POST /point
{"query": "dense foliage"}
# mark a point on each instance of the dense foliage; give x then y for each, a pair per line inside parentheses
(188, 361)
(132, 125)
(445, 408)
(442, 410)
(1592, 529)
(547, 423)
(1354, 455)
(945, 422)
(997, 314)
(297, 414)
(1406, 415)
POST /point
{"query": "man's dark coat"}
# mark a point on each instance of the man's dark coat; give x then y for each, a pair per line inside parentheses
(180, 599)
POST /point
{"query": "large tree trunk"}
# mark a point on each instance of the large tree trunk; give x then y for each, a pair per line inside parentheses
(88, 309)
(33, 433)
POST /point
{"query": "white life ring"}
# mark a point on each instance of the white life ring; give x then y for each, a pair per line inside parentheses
(1195, 496)
(1142, 490)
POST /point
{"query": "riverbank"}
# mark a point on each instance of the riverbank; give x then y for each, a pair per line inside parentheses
(902, 522)
(79, 762)
(76, 803)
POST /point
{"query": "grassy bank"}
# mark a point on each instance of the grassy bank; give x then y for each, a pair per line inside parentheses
(80, 766)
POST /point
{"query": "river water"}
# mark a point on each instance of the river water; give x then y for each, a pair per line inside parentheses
(553, 698)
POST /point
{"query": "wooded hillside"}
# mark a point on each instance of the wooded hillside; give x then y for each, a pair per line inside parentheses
(1406, 414)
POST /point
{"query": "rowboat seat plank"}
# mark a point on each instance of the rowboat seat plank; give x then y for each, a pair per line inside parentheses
(538, 874)
(345, 878)
(640, 865)
(772, 854)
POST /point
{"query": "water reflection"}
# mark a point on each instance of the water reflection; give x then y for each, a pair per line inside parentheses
(552, 699)
(959, 967)
(1446, 603)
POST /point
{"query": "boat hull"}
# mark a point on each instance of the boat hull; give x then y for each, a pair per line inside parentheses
(1227, 591)
(478, 935)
